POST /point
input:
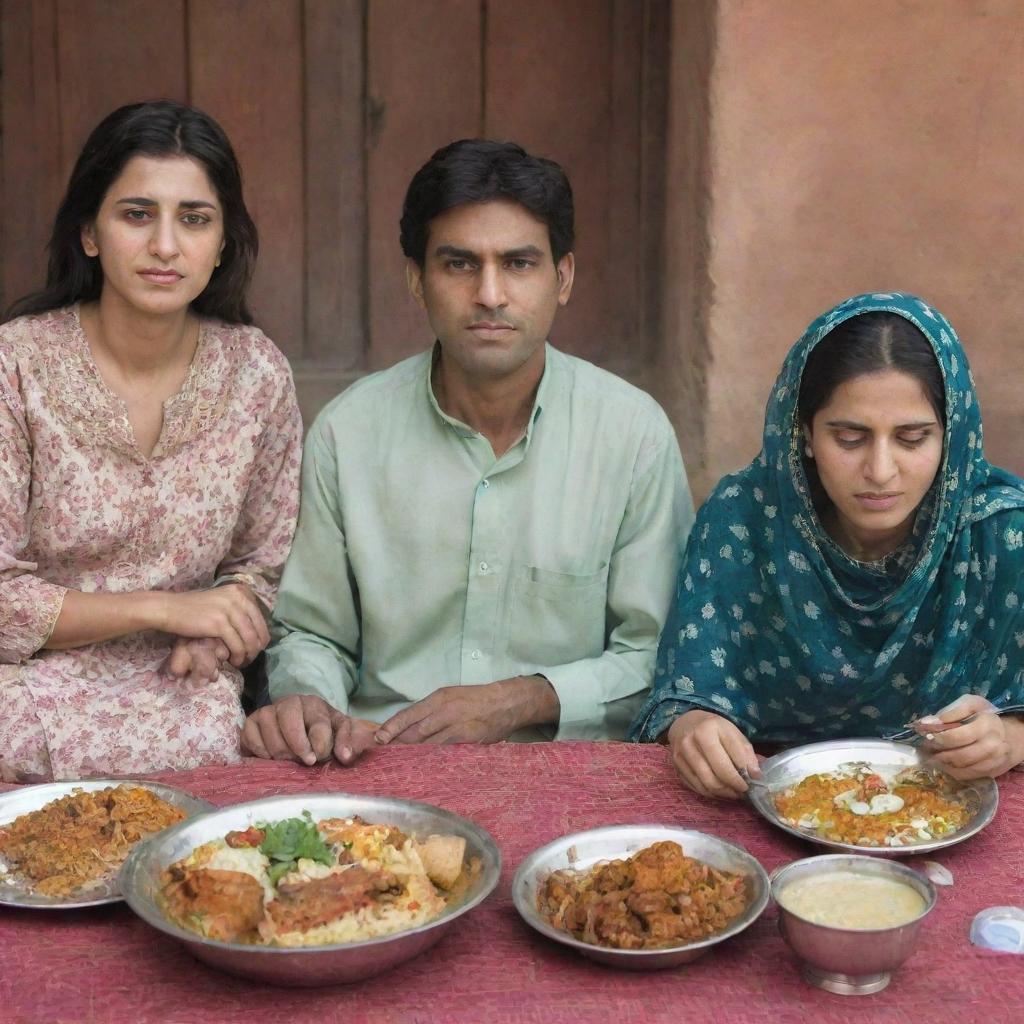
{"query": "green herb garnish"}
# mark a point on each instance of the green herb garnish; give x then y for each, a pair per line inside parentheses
(286, 842)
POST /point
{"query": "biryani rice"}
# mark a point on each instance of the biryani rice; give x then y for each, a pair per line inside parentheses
(78, 841)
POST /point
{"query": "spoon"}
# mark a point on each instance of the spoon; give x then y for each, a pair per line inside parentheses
(752, 782)
(911, 735)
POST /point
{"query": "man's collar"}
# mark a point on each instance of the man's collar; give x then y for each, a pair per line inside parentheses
(543, 391)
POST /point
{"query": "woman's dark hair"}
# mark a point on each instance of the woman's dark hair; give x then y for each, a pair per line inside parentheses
(869, 343)
(158, 129)
(477, 171)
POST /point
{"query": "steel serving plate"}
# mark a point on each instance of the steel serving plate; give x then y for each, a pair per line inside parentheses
(309, 965)
(791, 766)
(15, 892)
(614, 842)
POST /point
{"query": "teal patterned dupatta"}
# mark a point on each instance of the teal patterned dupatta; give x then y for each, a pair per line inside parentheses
(777, 629)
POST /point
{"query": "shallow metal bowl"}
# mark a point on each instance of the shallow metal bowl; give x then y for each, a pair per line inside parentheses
(15, 892)
(310, 965)
(791, 766)
(849, 961)
(615, 842)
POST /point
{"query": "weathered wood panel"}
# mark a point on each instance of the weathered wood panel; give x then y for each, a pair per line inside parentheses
(110, 54)
(332, 105)
(424, 75)
(246, 69)
(31, 159)
(549, 79)
(335, 183)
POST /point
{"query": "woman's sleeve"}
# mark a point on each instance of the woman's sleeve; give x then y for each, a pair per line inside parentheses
(266, 525)
(29, 606)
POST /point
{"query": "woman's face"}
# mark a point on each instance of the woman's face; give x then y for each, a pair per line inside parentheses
(158, 234)
(877, 445)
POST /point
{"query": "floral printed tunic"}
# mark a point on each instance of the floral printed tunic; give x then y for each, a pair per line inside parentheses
(82, 508)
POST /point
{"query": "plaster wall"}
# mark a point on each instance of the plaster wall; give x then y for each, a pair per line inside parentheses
(680, 362)
(860, 145)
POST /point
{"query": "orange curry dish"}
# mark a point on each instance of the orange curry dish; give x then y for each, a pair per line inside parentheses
(82, 839)
(859, 806)
(656, 899)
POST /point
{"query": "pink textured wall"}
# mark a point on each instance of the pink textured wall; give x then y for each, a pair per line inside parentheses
(861, 145)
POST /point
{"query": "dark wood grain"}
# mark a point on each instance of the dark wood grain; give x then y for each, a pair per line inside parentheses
(335, 183)
(245, 68)
(31, 157)
(110, 54)
(424, 68)
(552, 71)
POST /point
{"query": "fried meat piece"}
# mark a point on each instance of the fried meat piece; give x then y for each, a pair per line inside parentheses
(609, 923)
(614, 876)
(660, 867)
(301, 906)
(229, 904)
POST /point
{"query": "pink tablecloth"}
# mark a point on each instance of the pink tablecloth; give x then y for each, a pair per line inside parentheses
(106, 965)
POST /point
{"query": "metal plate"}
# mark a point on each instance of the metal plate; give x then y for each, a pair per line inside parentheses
(309, 965)
(615, 842)
(791, 766)
(15, 892)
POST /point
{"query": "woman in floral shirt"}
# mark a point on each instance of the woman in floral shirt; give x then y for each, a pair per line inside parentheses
(149, 451)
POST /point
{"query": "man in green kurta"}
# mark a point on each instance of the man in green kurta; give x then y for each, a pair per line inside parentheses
(489, 531)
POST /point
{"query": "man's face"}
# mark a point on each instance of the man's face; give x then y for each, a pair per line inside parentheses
(490, 287)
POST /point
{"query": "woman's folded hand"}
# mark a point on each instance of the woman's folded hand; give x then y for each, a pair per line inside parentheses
(230, 614)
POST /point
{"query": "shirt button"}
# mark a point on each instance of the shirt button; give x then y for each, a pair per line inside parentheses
(475, 655)
(484, 567)
(485, 483)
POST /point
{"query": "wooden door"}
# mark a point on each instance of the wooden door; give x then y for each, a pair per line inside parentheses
(332, 105)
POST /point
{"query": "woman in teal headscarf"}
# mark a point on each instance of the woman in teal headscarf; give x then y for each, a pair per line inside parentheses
(865, 570)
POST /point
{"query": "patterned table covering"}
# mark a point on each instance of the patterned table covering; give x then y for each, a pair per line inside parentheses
(103, 964)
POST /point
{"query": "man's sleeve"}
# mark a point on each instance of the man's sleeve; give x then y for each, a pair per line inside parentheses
(600, 696)
(315, 627)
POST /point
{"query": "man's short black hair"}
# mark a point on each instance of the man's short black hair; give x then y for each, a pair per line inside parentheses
(481, 170)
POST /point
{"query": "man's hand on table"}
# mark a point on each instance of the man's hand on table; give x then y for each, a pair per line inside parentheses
(307, 729)
(486, 713)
